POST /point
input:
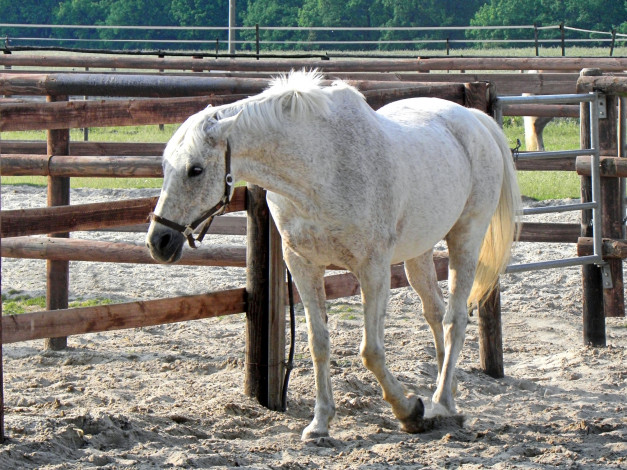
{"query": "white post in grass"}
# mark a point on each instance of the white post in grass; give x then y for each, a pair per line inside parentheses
(232, 22)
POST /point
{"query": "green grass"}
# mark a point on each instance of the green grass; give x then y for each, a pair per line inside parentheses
(559, 134)
(15, 303)
(99, 134)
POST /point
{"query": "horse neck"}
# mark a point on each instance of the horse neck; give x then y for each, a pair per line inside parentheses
(282, 165)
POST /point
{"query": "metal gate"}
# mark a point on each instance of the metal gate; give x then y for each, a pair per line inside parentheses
(596, 103)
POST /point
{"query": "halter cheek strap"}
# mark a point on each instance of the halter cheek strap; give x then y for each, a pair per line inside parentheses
(208, 215)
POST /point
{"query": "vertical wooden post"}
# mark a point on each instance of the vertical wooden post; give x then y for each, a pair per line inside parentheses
(593, 316)
(1, 353)
(57, 272)
(481, 96)
(490, 335)
(276, 323)
(265, 310)
(612, 204)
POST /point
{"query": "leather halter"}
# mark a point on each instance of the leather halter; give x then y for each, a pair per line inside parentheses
(208, 215)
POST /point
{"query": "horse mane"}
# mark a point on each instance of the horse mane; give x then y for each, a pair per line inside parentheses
(298, 95)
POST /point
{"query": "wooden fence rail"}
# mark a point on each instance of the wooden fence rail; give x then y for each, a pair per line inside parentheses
(22, 222)
(420, 64)
(61, 115)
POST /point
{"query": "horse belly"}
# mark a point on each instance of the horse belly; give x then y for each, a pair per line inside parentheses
(421, 234)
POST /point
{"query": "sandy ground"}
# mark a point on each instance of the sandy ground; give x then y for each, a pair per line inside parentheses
(171, 396)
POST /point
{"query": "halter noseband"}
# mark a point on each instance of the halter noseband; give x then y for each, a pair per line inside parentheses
(208, 215)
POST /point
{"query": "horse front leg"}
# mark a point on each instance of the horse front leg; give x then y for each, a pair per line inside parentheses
(375, 288)
(309, 280)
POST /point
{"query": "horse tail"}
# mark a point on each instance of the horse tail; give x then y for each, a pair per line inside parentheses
(504, 227)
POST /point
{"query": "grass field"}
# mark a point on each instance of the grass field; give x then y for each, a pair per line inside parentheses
(559, 134)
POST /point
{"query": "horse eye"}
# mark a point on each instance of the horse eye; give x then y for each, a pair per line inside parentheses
(194, 171)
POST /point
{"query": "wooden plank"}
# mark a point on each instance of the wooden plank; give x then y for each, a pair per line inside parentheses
(78, 321)
(381, 97)
(610, 166)
(506, 83)
(105, 113)
(549, 232)
(608, 84)
(128, 85)
(81, 166)
(546, 110)
(422, 64)
(346, 284)
(86, 148)
(546, 164)
(612, 248)
(21, 222)
(73, 249)
(233, 225)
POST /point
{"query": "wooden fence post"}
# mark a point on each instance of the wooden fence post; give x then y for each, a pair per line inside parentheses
(1, 353)
(57, 272)
(613, 208)
(592, 282)
(481, 96)
(490, 335)
(265, 309)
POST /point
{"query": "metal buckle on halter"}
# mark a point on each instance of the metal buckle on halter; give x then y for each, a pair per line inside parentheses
(188, 231)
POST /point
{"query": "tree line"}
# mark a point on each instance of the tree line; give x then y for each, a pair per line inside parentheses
(598, 15)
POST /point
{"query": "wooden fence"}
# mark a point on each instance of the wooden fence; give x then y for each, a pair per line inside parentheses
(263, 299)
(62, 160)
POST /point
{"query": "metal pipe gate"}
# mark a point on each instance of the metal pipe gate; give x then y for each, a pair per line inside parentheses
(595, 101)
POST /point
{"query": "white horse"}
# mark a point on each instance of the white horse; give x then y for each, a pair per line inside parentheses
(360, 189)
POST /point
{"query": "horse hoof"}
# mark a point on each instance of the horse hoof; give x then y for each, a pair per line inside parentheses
(412, 423)
(435, 422)
(313, 435)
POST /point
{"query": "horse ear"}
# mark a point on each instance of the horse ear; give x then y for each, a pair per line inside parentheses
(209, 125)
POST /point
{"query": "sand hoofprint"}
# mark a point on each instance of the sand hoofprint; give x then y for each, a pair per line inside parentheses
(171, 396)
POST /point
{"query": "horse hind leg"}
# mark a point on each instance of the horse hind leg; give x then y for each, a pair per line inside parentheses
(422, 277)
(464, 242)
(309, 280)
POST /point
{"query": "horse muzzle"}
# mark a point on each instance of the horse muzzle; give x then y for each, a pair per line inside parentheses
(164, 243)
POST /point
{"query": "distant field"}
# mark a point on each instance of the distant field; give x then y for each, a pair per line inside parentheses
(559, 134)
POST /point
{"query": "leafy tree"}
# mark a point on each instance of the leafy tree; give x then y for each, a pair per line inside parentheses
(340, 13)
(201, 13)
(427, 13)
(600, 15)
(28, 12)
(140, 13)
(83, 12)
(272, 13)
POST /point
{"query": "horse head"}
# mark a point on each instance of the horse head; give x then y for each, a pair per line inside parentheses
(197, 185)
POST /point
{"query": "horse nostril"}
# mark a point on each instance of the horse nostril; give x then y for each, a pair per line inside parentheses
(164, 241)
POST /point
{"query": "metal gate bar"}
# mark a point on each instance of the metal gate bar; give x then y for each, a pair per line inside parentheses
(595, 205)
